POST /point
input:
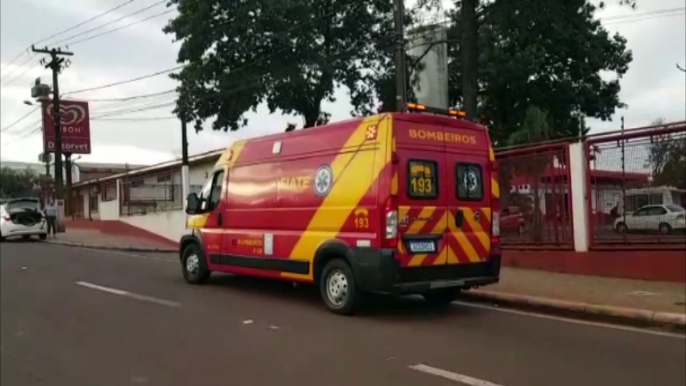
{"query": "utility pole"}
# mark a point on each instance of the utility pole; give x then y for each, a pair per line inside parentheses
(400, 65)
(185, 172)
(56, 66)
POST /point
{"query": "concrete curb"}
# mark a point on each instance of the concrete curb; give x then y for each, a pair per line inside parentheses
(620, 315)
(110, 248)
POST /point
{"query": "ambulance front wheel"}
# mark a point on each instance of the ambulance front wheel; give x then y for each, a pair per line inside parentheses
(337, 287)
(193, 265)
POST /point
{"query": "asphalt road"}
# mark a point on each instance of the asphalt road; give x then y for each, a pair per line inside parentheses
(76, 317)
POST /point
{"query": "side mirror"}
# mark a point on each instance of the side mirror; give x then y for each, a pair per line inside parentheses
(192, 204)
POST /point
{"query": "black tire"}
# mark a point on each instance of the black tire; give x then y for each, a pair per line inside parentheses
(43, 236)
(665, 229)
(348, 302)
(201, 272)
(441, 297)
(26, 237)
(622, 228)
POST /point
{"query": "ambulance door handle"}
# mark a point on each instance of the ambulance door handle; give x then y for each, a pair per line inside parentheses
(459, 218)
(219, 219)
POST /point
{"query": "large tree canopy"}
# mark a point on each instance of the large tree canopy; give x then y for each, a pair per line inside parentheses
(290, 54)
(546, 53)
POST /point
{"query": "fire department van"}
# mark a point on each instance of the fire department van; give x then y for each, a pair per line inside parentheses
(392, 203)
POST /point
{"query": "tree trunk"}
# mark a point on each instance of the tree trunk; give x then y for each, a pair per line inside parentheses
(469, 29)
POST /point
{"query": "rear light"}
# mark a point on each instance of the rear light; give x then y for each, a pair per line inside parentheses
(390, 213)
(7, 218)
(495, 224)
(495, 241)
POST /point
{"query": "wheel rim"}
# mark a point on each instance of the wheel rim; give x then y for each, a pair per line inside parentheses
(337, 287)
(192, 264)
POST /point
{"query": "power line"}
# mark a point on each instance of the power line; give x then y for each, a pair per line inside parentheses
(132, 97)
(67, 30)
(657, 12)
(124, 81)
(121, 28)
(109, 23)
(85, 22)
(31, 56)
(22, 74)
(19, 120)
(134, 119)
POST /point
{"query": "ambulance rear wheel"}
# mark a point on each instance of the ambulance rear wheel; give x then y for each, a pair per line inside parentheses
(338, 289)
(193, 265)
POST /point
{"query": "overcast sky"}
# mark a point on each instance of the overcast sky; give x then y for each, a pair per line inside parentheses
(653, 87)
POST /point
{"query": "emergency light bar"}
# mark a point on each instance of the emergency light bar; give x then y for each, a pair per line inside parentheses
(412, 107)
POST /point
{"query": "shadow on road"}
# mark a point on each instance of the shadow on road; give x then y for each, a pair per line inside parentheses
(375, 306)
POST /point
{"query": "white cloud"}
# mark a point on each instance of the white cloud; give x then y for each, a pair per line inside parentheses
(653, 86)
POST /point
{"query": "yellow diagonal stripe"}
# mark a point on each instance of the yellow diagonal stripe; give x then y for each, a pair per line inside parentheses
(491, 154)
(495, 188)
(452, 258)
(354, 172)
(477, 229)
(466, 246)
(438, 228)
(417, 225)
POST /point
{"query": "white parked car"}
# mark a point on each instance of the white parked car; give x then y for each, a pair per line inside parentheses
(663, 218)
(22, 217)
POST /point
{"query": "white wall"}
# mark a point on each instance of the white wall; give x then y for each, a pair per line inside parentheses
(170, 225)
(109, 210)
(198, 174)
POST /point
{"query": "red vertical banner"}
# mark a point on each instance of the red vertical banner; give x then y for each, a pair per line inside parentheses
(75, 127)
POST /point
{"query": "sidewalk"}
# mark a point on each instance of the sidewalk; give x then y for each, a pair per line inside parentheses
(624, 301)
(640, 294)
(97, 239)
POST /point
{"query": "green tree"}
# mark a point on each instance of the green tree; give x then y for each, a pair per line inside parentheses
(290, 54)
(16, 183)
(548, 53)
(533, 129)
(667, 159)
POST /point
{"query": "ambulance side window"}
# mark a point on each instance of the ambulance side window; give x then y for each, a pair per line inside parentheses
(422, 181)
(216, 194)
(212, 191)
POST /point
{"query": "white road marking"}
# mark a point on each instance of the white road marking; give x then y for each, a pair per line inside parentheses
(464, 379)
(128, 294)
(574, 321)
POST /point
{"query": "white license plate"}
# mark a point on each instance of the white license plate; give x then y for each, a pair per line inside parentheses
(422, 246)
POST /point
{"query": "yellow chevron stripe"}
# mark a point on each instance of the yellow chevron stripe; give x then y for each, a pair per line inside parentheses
(477, 229)
(452, 257)
(491, 154)
(495, 188)
(467, 246)
(354, 172)
(394, 184)
(417, 225)
(438, 228)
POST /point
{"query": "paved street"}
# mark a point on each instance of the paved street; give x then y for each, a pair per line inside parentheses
(84, 317)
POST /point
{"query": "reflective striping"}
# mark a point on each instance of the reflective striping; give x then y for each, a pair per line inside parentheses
(394, 184)
(418, 225)
(491, 154)
(438, 228)
(477, 230)
(495, 188)
(348, 189)
(452, 257)
(467, 246)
